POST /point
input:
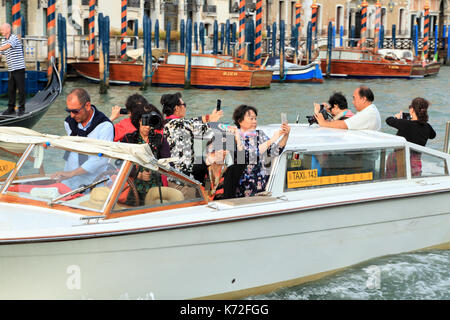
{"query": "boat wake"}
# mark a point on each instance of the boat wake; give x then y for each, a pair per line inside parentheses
(411, 276)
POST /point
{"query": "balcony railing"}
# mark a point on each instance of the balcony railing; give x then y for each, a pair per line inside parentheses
(209, 9)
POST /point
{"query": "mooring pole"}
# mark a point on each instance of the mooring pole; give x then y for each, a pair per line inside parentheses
(187, 70)
(282, 38)
(51, 36)
(123, 49)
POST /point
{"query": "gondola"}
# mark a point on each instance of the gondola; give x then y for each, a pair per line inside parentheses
(36, 106)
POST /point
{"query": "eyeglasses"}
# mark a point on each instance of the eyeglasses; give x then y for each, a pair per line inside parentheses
(183, 104)
(75, 111)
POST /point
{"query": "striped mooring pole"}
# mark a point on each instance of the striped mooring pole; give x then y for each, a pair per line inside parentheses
(258, 31)
(91, 30)
(426, 30)
(314, 7)
(241, 52)
(298, 8)
(377, 25)
(123, 44)
(364, 6)
(16, 18)
(51, 33)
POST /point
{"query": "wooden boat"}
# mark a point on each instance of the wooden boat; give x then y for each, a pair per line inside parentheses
(359, 200)
(36, 106)
(294, 72)
(207, 71)
(355, 62)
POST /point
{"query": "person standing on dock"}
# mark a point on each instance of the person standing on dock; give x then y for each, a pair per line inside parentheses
(12, 48)
(367, 118)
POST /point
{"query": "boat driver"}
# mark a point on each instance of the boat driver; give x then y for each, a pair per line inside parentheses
(84, 120)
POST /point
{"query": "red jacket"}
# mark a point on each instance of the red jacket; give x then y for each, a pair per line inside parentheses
(122, 128)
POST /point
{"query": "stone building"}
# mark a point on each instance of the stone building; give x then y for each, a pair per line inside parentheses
(403, 13)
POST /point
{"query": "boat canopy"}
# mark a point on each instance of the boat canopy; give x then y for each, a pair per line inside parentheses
(17, 139)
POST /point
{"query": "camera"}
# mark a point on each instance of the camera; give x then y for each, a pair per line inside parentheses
(406, 116)
(152, 119)
(123, 111)
(323, 111)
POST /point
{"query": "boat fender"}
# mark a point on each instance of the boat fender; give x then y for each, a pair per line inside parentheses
(167, 195)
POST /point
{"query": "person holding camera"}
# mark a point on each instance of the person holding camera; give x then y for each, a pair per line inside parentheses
(180, 133)
(149, 123)
(414, 127)
(367, 117)
(125, 126)
(337, 107)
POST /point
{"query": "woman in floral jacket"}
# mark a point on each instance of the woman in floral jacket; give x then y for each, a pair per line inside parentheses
(180, 132)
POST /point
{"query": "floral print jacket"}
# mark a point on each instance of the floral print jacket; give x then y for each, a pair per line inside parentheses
(180, 134)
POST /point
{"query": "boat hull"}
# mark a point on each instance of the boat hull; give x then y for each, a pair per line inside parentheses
(309, 74)
(173, 75)
(228, 259)
(366, 69)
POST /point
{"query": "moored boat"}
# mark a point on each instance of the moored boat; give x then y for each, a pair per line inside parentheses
(36, 106)
(386, 63)
(207, 71)
(294, 72)
(356, 201)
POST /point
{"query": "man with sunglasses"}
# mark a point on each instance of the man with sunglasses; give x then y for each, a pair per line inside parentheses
(84, 120)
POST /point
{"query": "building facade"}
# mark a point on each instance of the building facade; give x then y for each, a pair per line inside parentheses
(346, 13)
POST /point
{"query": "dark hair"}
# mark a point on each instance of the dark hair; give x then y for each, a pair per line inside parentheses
(239, 113)
(81, 94)
(365, 92)
(169, 102)
(339, 99)
(420, 106)
(134, 101)
(139, 111)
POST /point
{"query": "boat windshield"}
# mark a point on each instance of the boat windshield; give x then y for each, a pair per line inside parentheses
(86, 182)
(8, 159)
(48, 173)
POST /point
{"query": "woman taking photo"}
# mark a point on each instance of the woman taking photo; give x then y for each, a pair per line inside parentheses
(254, 150)
(148, 121)
(180, 133)
(416, 130)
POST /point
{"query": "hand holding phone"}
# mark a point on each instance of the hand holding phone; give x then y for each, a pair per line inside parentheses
(219, 103)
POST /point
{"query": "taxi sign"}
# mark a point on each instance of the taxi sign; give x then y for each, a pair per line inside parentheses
(309, 178)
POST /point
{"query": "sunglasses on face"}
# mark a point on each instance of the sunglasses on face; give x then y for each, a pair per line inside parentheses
(75, 111)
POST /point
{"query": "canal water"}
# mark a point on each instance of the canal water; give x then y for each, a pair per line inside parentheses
(423, 275)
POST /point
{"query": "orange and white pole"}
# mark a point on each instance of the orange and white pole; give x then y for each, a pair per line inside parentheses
(364, 6)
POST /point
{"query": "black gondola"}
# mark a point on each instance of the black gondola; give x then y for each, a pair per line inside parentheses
(36, 106)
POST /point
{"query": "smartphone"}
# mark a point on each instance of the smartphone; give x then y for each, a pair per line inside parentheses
(284, 118)
(123, 111)
(219, 103)
(406, 116)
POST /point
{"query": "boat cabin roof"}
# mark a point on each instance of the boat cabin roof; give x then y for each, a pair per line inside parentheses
(313, 137)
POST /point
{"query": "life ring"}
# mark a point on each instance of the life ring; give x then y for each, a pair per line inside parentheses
(167, 195)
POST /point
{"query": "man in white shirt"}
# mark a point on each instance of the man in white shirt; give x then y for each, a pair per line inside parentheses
(84, 120)
(367, 117)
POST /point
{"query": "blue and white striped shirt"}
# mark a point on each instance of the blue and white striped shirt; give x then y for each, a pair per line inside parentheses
(14, 55)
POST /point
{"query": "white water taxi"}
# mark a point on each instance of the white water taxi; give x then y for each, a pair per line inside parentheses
(335, 198)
